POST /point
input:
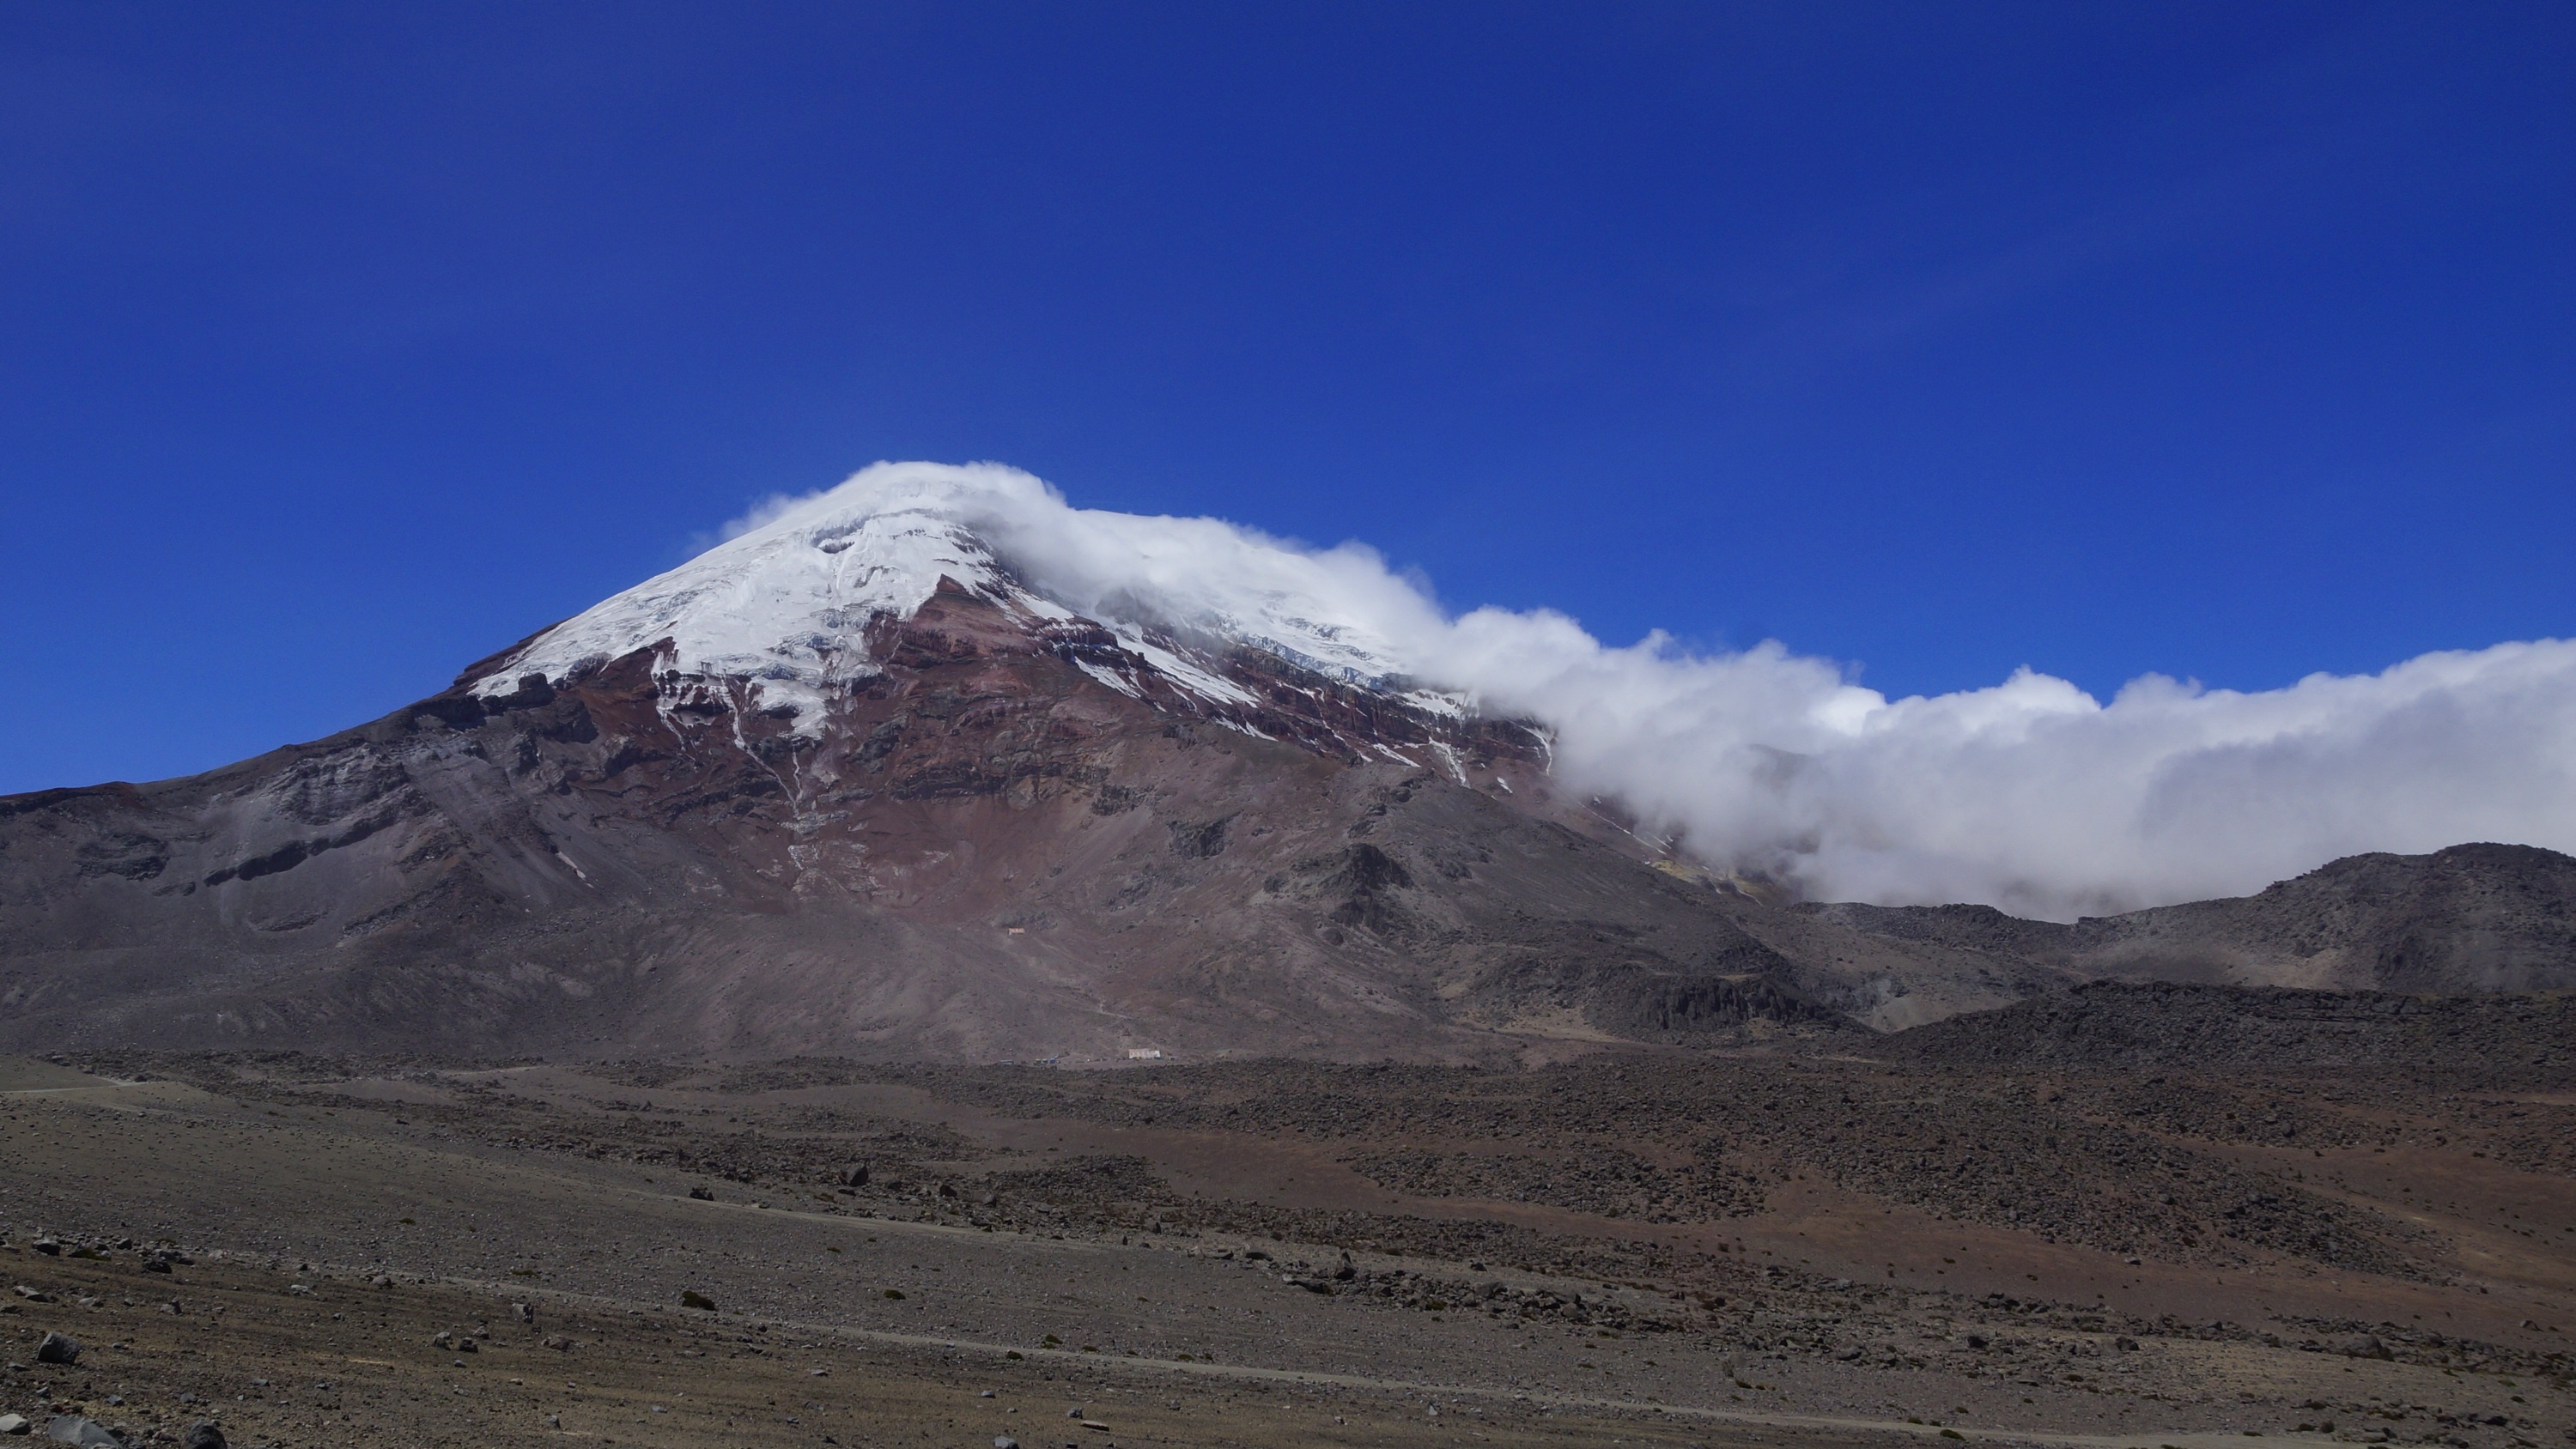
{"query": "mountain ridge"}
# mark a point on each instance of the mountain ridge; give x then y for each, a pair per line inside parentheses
(2502, 918)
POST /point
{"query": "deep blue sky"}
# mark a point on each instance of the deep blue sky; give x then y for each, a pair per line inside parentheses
(343, 344)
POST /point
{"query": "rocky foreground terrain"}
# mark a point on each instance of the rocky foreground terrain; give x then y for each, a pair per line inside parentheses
(2133, 1216)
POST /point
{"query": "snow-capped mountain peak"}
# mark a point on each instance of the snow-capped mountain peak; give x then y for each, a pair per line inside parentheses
(787, 605)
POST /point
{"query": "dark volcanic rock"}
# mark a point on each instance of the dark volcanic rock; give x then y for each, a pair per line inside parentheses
(2466, 1041)
(2472, 918)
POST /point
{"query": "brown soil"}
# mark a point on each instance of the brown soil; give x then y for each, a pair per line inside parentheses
(1655, 1247)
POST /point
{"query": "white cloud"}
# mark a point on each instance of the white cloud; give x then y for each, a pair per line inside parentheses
(759, 515)
(2030, 795)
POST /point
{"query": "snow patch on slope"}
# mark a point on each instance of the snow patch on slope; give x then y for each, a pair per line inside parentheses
(786, 604)
(785, 607)
(1206, 583)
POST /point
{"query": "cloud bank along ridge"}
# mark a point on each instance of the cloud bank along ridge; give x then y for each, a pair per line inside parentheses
(2030, 795)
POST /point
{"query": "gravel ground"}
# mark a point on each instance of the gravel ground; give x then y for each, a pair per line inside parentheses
(1700, 1249)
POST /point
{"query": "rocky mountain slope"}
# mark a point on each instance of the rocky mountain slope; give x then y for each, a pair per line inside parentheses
(2492, 1043)
(1016, 837)
(2472, 918)
(850, 783)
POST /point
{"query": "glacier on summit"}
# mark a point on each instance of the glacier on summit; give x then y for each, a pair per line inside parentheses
(787, 603)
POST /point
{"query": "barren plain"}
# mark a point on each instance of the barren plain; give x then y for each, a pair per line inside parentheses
(1789, 1242)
